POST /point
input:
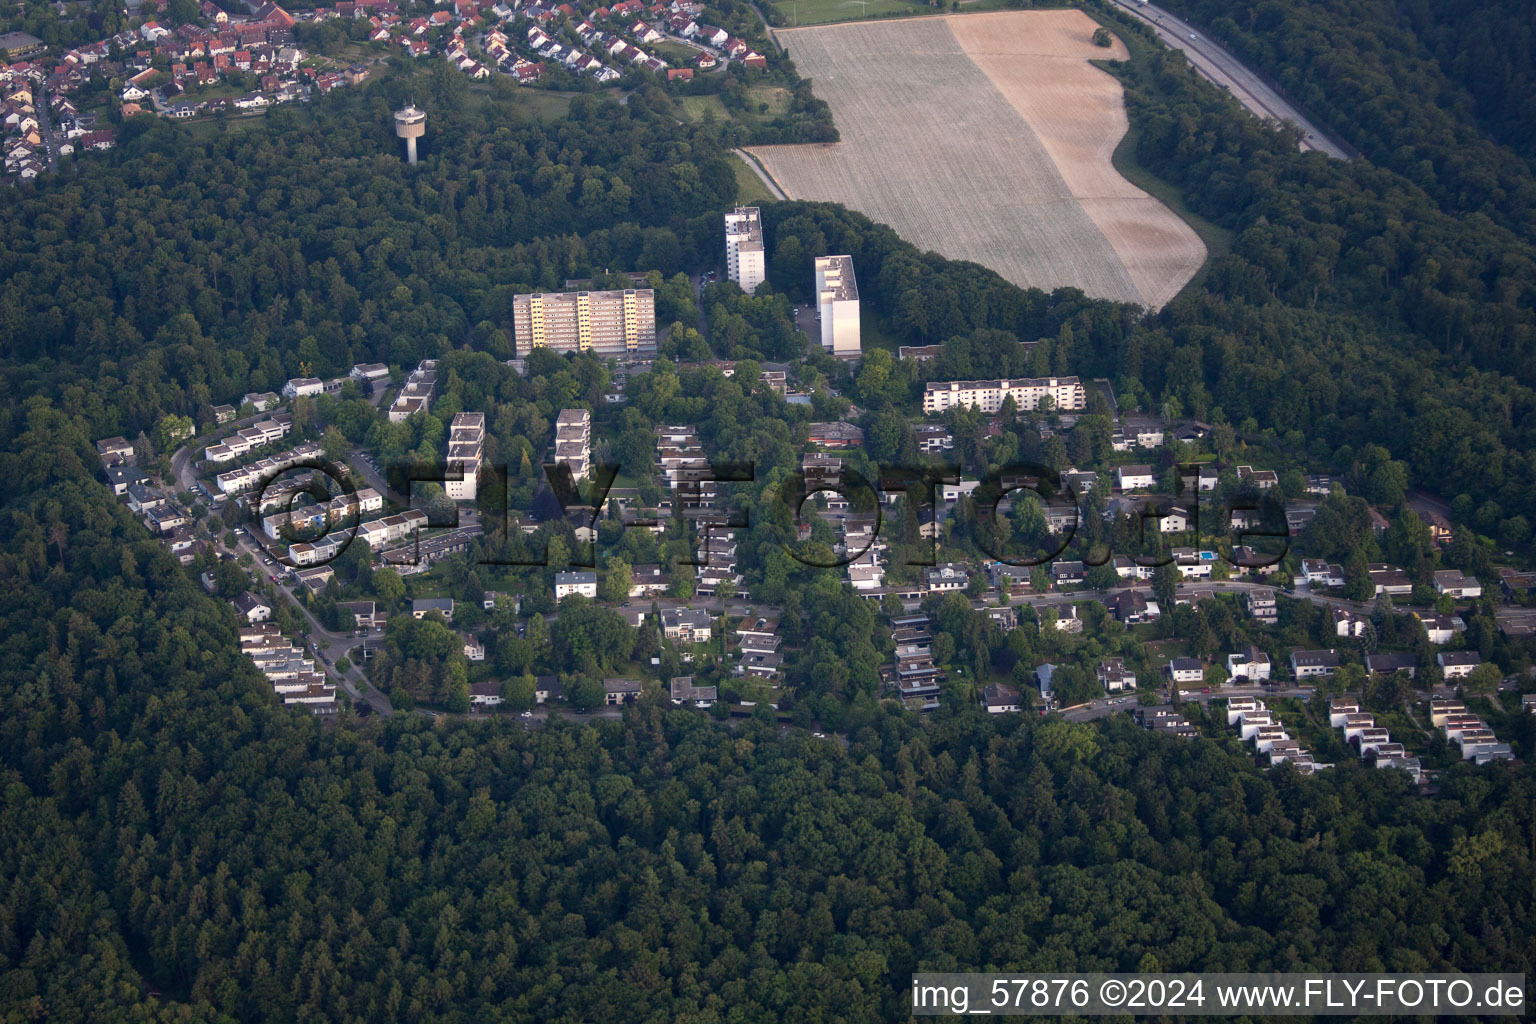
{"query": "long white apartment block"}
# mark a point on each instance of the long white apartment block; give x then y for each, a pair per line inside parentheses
(837, 296)
(1066, 394)
(466, 445)
(744, 261)
(573, 441)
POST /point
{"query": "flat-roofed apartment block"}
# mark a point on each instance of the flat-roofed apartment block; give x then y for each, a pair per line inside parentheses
(416, 395)
(744, 261)
(837, 292)
(681, 459)
(1066, 394)
(573, 441)
(466, 442)
(609, 323)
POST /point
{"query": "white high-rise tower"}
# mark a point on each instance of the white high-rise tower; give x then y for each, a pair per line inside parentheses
(744, 262)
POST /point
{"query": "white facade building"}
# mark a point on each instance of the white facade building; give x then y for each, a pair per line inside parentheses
(568, 583)
(1066, 394)
(573, 441)
(837, 295)
(744, 260)
(466, 442)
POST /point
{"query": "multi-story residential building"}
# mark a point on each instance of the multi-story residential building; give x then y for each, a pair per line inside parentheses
(932, 438)
(246, 477)
(466, 443)
(1249, 663)
(416, 395)
(836, 434)
(575, 582)
(837, 295)
(1066, 394)
(1441, 629)
(370, 373)
(744, 258)
(686, 625)
(380, 533)
(573, 441)
(1185, 670)
(943, 579)
(619, 322)
(257, 435)
(260, 401)
(303, 387)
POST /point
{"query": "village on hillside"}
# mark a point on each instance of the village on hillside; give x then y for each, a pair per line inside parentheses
(304, 556)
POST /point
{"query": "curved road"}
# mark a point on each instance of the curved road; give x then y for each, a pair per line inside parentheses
(1226, 70)
(762, 172)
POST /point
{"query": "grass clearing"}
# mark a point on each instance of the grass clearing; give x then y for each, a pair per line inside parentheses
(775, 98)
(750, 188)
(701, 108)
(823, 12)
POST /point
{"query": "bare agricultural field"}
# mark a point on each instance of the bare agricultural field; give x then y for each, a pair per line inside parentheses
(988, 137)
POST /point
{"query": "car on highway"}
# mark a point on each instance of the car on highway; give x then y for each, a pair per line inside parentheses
(1193, 36)
(527, 714)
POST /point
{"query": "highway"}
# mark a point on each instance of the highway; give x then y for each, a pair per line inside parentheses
(1221, 67)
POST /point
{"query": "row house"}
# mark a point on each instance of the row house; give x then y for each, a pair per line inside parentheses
(237, 480)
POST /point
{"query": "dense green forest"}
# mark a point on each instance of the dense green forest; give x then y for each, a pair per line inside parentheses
(1417, 86)
(167, 829)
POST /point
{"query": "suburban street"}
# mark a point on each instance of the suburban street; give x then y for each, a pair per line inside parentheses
(333, 646)
(45, 129)
(1224, 69)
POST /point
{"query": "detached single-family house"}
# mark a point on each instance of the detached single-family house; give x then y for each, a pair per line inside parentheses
(1456, 664)
(1135, 478)
(1454, 583)
(1308, 664)
(252, 608)
(1185, 670)
(423, 606)
(485, 695)
(1386, 664)
(999, 698)
(1114, 676)
(620, 691)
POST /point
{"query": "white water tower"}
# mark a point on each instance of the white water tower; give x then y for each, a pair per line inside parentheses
(410, 125)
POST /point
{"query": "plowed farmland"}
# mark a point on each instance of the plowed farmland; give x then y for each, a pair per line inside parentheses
(987, 137)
